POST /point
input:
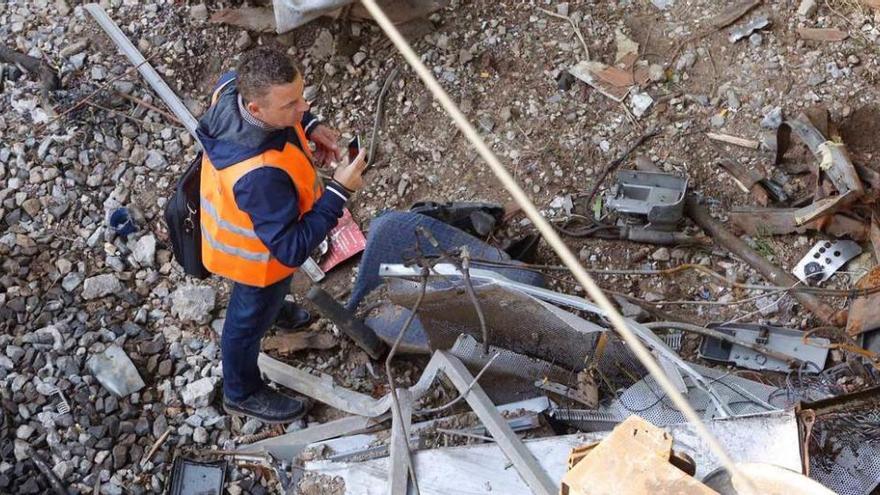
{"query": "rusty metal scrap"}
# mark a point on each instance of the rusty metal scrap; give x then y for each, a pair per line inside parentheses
(864, 312)
(776, 275)
(821, 215)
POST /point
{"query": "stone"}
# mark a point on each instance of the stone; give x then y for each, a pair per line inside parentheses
(15, 352)
(663, 4)
(23, 432)
(656, 73)
(32, 207)
(641, 102)
(155, 160)
(251, 426)
(74, 48)
(199, 393)
(63, 265)
(243, 41)
(200, 435)
(144, 250)
(686, 61)
(661, 254)
(717, 120)
(193, 302)
(772, 119)
(323, 47)
(71, 281)
(199, 12)
(100, 286)
(807, 8)
(358, 58)
(165, 367)
(464, 56)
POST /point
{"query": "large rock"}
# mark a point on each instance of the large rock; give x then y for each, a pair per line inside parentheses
(199, 393)
(101, 285)
(193, 302)
(144, 250)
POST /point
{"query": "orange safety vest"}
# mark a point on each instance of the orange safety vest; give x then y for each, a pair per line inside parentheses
(230, 247)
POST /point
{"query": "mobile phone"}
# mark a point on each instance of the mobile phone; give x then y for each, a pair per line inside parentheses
(354, 147)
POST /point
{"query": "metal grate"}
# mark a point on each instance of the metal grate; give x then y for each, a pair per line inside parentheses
(516, 321)
(511, 376)
(741, 396)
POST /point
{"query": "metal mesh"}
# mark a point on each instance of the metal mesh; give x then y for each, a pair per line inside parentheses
(515, 321)
(646, 399)
(512, 376)
(845, 446)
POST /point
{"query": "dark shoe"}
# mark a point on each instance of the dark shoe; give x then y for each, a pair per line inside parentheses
(292, 316)
(268, 406)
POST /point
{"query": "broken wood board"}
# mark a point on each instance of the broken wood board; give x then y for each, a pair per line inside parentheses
(483, 469)
(634, 458)
(822, 34)
(764, 222)
(777, 221)
(732, 13)
(610, 81)
(735, 140)
(292, 342)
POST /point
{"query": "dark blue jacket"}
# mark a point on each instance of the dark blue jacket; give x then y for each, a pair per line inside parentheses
(267, 194)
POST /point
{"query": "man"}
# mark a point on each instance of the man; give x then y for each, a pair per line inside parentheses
(264, 209)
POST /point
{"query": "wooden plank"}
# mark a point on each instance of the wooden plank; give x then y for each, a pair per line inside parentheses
(735, 140)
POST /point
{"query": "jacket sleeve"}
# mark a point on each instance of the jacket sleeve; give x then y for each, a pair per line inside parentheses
(269, 197)
(309, 122)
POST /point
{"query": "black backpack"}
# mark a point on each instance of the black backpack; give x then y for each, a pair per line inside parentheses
(182, 216)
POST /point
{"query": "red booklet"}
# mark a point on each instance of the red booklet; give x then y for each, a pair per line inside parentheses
(346, 240)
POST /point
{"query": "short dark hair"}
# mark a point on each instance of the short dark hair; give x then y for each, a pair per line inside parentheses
(261, 68)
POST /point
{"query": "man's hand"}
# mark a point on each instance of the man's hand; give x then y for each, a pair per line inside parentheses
(351, 175)
(327, 145)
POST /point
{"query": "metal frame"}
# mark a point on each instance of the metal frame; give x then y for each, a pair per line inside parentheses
(323, 390)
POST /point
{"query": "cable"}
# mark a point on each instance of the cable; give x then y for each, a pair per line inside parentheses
(820, 291)
(390, 375)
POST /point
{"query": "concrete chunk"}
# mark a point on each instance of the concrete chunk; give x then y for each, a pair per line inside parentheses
(199, 393)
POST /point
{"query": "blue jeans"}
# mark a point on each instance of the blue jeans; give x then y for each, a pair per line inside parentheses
(392, 238)
(251, 311)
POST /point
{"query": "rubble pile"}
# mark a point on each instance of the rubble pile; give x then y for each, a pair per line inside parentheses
(109, 357)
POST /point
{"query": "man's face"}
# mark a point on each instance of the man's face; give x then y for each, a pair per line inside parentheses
(282, 106)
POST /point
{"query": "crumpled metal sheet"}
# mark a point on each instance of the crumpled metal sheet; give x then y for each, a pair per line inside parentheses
(647, 399)
(515, 321)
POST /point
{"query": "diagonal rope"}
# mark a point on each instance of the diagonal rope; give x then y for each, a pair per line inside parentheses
(555, 242)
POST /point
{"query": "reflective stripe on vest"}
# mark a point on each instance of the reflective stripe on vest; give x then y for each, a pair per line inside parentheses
(230, 247)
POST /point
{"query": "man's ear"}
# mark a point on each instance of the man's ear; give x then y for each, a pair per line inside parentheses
(253, 108)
